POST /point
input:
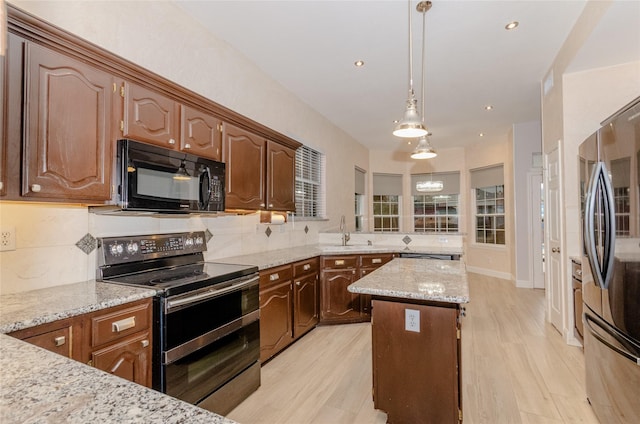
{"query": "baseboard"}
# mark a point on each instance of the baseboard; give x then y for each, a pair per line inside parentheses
(524, 284)
(490, 273)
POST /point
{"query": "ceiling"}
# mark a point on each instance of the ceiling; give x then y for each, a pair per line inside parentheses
(310, 48)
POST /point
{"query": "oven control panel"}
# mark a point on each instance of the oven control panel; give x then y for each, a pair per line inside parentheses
(118, 250)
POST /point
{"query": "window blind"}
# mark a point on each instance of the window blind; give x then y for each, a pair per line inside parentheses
(487, 177)
(450, 182)
(360, 181)
(310, 186)
(387, 184)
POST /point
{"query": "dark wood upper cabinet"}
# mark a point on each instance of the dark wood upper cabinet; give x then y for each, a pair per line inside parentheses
(245, 156)
(149, 116)
(281, 174)
(67, 127)
(200, 133)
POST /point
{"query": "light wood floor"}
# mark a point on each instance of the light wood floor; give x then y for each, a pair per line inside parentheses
(515, 369)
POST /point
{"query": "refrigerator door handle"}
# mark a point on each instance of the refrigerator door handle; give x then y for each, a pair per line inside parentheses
(588, 321)
(600, 188)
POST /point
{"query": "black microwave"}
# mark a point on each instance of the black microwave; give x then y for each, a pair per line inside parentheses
(156, 179)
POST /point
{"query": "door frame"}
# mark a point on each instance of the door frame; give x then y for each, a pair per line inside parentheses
(536, 228)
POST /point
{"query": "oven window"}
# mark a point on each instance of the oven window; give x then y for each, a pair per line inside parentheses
(168, 185)
(200, 373)
(188, 323)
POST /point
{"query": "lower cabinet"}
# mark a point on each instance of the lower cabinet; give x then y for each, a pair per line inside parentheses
(116, 340)
(288, 305)
(338, 305)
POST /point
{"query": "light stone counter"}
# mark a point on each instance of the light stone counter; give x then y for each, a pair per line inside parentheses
(269, 259)
(35, 307)
(38, 386)
(420, 279)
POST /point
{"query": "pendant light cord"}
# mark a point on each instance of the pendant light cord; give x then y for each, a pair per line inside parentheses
(411, 93)
(424, 43)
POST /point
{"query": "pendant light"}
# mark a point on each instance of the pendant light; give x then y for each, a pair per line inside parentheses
(411, 125)
(424, 150)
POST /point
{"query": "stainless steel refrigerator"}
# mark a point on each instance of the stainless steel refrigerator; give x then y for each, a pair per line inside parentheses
(609, 169)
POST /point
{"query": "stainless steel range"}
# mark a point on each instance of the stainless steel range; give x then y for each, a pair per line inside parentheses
(207, 331)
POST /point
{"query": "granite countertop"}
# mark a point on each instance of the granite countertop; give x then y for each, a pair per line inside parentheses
(269, 259)
(35, 307)
(39, 386)
(404, 278)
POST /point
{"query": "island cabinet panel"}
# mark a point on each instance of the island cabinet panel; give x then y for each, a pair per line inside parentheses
(276, 310)
(129, 358)
(368, 264)
(200, 133)
(68, 132)
(245, 156)
(416, 374)
(306, 312)
(57, 337)
(281, 174)
(149, 116)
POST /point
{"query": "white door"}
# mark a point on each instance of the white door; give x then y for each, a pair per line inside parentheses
(553, 233)
(536, 230)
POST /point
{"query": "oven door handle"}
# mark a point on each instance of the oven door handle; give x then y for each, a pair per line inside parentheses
(209, 294)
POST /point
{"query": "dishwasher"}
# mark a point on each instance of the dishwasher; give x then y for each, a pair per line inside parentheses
(441, 256)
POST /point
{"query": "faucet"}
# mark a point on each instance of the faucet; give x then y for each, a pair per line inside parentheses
(345, 235)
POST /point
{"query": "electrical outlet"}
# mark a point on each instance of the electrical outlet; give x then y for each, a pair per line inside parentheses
(412, 320)
(7, 239)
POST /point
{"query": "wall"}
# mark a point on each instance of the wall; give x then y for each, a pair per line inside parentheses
(158, 36)
(527, 140)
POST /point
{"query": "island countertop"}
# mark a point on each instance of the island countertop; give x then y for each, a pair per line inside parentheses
(419, 279)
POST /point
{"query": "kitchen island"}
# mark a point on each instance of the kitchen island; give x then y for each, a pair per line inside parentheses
(416, 338)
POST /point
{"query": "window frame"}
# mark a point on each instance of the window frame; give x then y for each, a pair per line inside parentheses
(435, 216)
(491, 217)
(310, 177)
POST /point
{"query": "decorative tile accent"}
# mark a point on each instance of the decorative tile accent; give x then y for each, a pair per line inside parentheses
(406, 239)
(306, 229)
(87, 243)
(268, 231)
(208, 235)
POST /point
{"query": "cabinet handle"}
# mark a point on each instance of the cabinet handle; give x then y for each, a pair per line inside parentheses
(60, 340)
(297, 283)
(274, 277)
(1, 185)
(36, 188)
(172, 141)
(144, 343)
(270, 205)
(353, 272)
(339, 262)
(123, 324)
(262, 205)
(306, 267)
(187, 146)
(376, 261)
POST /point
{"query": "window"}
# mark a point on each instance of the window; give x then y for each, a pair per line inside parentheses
(310, 195)
(387, 192)
(436, 202)
(359, 199)
(488, 185)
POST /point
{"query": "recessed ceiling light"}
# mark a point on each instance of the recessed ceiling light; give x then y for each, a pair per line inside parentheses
(488, 107)
(359, 63)
(511, 25)
(481, 134)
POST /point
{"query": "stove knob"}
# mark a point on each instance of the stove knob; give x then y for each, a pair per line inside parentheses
(188, 242)
(116, 249)
(199, 241)
(120, 249)
(132, 247)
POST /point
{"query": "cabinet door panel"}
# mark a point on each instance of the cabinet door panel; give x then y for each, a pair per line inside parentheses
(281, 177)
(200, 133)
(68, 136)
(275, 319)
(305, 298)
(338, 304)
(150, 116)
(129, 359)
(244, 154)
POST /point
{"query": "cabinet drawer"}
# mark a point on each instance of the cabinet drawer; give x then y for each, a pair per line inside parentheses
(305, 267)
(275, 275)
(374, 261)
(120, 323)
(58, 341)
(339, 262)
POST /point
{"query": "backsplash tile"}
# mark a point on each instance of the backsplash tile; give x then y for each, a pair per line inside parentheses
(87, 243)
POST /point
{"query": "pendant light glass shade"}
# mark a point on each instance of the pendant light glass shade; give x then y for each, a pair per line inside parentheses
(423, 150)
(411, 125)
